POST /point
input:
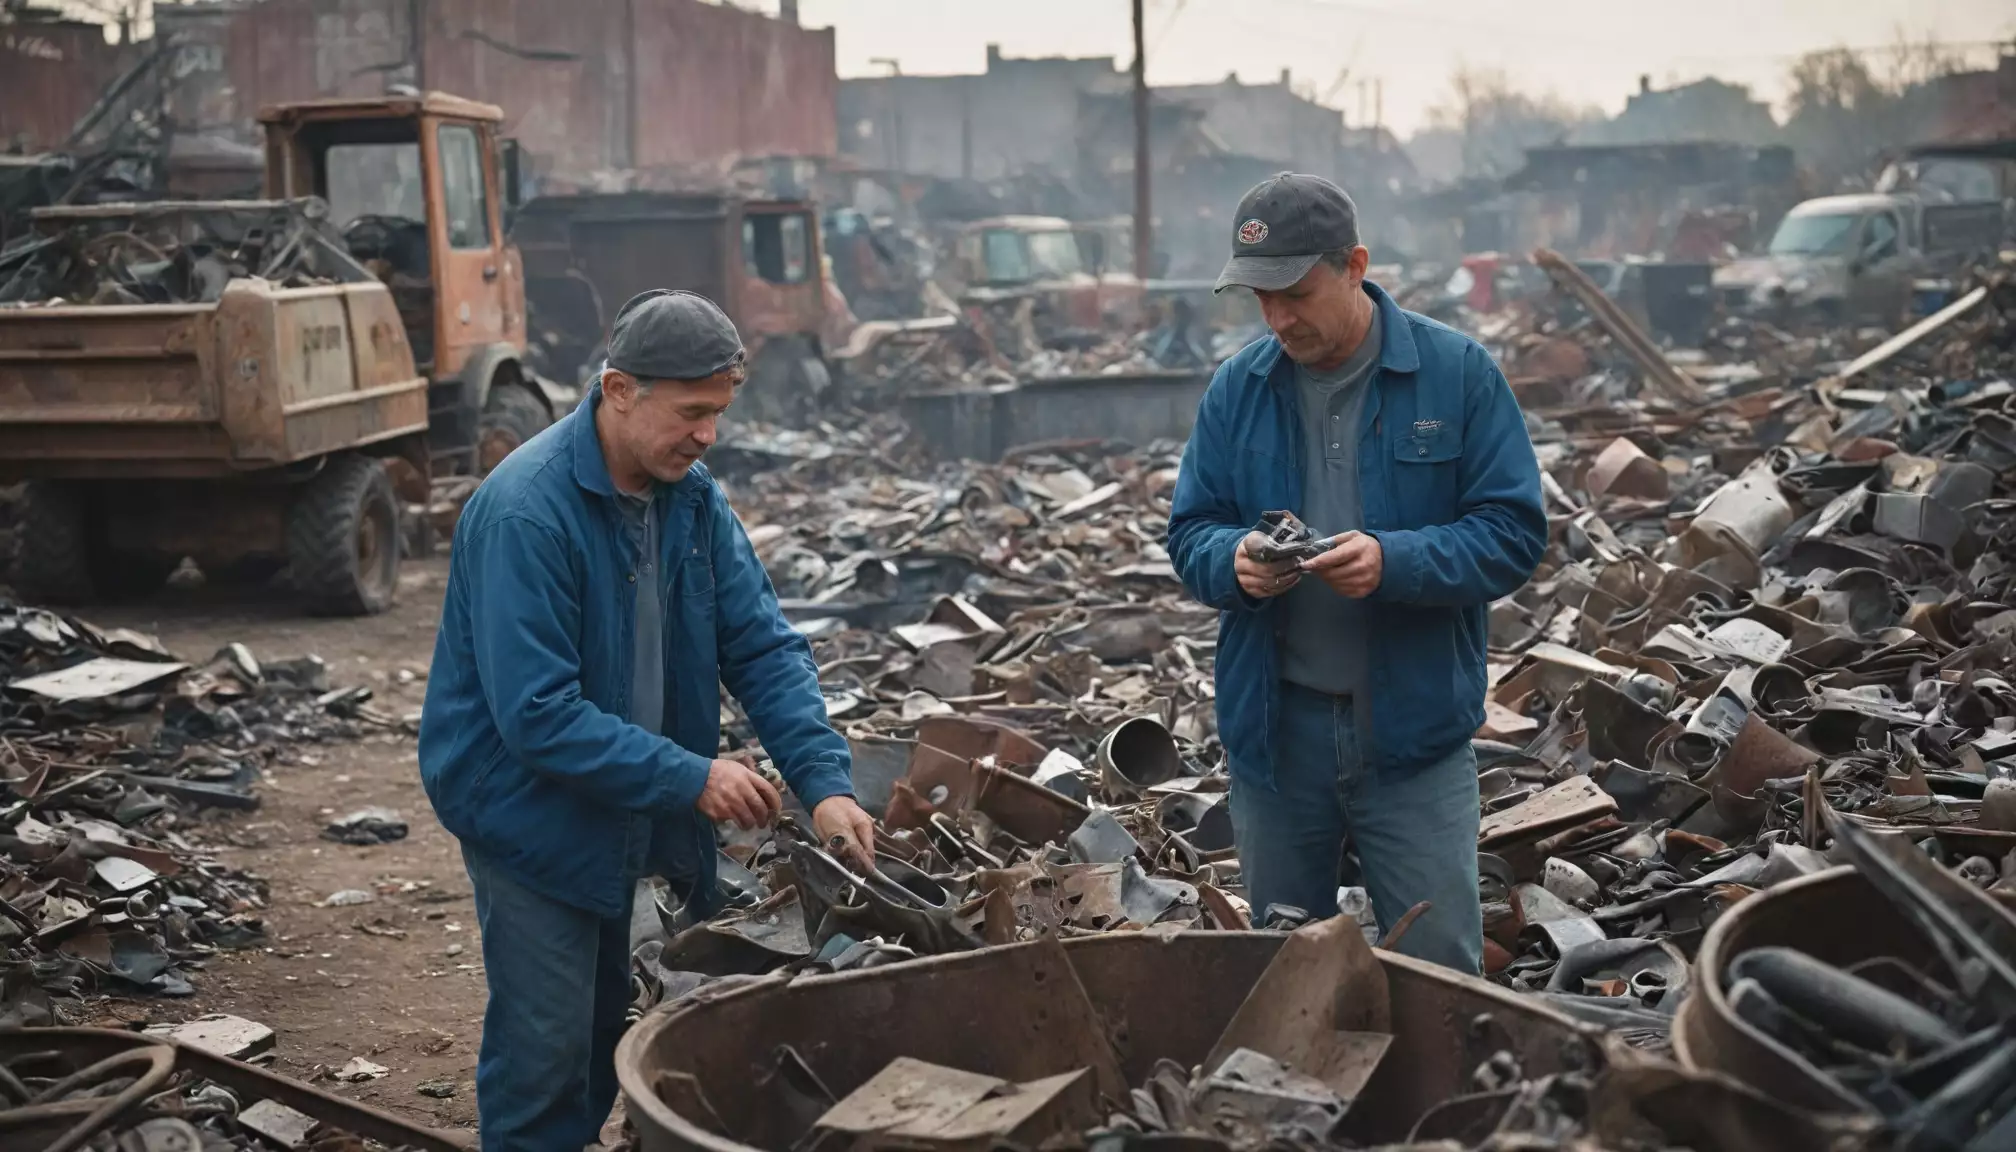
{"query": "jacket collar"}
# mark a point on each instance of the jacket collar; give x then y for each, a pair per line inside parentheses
(1397, 352)
(591, 471)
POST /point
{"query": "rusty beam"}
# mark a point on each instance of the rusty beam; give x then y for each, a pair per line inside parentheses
(1659, 372)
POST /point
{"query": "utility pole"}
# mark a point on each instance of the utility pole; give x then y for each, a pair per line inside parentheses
(1144, 241)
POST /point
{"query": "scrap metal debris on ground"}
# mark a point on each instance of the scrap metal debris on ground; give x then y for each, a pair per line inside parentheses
(86, 1088)
(1782, 611)
(108, 745)
(1009, 341)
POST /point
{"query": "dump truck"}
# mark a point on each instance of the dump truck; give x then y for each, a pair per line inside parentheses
(759, 259)
(287, 375)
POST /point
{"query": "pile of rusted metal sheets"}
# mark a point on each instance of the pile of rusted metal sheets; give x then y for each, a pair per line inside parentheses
(1777, 613)
(108, 746)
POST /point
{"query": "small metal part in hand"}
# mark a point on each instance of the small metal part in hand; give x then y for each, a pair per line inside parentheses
(836, 842)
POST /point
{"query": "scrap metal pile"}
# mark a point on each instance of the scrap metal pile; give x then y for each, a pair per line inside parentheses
(107, 1091)
(172, 252)
(1779, 598)
(1000, 644)
(992, 344)
(107, 745)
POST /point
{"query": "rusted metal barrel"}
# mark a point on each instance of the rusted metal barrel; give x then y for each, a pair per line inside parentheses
(992, 1011)
(1836, 916)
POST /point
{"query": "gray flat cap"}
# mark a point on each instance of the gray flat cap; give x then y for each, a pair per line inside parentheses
(667, 334)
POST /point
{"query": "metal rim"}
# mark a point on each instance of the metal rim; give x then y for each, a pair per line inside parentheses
(377, 547)
(1707, 1007)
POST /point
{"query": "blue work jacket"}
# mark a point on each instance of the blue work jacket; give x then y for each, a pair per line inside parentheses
(1450, 488)
(524, 749)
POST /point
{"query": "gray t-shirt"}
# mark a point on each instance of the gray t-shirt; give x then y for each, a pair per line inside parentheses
(647, 664)
(1324, 639)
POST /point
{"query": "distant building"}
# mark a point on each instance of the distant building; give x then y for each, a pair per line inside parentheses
(1018, 115)
(1056, 135)
(1708, 109)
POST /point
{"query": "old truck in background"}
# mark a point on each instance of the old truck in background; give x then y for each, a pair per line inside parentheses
(1859, 258)
(252, 426)
(587, 253)
(1068, 269)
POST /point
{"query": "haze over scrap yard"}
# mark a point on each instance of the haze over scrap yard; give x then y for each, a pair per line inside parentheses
(1146, 576)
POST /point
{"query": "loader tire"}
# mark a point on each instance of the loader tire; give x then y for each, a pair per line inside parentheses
(62, 554)
(343, 539)
(512, 416)
(52, 558)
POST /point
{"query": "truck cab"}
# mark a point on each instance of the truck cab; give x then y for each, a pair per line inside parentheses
(415, 185)
(1843, 258)
(1068, 268)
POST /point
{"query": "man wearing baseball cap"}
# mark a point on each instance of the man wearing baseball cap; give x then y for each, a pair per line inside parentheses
(1349, 684)
(600, 593)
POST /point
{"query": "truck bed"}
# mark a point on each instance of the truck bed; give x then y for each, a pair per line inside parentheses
(264, 377)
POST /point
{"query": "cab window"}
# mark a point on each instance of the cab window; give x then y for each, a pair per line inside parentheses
(462, 191)
(1881, 242)
(777, 246)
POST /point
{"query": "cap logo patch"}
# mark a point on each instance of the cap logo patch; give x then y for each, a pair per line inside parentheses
(1252, 231)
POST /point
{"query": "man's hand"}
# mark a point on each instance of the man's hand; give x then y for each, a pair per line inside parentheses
(1259, 579)
(1352, 568)
(734, 792)
(840, 817)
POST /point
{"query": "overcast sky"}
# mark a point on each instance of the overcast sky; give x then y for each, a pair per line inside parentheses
(1590, 51)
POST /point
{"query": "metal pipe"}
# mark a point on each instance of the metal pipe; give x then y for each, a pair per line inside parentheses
(1864, 1014)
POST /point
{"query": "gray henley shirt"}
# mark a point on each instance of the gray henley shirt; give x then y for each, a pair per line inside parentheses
(1324, 633)
(647, 661)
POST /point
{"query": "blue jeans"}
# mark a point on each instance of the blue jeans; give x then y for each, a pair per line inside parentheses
(559, 987)
(1414, 827)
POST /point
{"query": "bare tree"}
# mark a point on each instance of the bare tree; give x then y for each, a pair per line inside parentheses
(1497, 122)
(1846, 108)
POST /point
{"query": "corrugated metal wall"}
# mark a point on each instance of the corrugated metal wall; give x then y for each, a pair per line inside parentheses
(713, 83)
(50, 76)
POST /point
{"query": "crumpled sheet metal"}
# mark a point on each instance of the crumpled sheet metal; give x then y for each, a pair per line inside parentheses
(1808, 640)
(100, 888)
(1686, 689)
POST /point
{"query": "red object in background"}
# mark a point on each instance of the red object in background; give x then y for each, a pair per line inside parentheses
(1483, 269)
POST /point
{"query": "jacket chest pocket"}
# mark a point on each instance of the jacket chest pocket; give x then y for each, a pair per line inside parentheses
(1427, 465)
(696, 574)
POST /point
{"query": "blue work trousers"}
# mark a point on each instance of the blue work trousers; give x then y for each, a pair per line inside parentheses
(559, 989)
(1414, 828)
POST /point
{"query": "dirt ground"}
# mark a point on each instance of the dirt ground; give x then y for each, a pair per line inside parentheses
(408, 992)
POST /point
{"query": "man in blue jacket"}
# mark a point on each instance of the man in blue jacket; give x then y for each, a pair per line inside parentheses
(600, 594)
(1348, 686)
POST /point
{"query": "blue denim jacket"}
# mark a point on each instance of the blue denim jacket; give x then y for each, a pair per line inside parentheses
(524, 751)
(1449, 487)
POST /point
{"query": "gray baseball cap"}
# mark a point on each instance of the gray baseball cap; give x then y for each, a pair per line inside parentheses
(1283, 226)
(667, 334)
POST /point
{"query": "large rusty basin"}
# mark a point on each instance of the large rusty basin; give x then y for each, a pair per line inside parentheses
(726, 1073)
